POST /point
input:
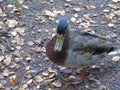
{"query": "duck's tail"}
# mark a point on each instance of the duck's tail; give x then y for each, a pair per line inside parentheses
(114, 52)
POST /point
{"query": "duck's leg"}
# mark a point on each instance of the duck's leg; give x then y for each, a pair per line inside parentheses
(79, 79)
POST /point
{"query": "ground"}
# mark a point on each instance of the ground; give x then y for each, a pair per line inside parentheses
(31, 24)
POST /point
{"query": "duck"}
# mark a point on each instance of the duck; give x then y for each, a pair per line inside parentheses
(78, 48)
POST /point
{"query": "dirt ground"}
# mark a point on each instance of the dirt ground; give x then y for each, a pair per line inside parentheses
(24, 65)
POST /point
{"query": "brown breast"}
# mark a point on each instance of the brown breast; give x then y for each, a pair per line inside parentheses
(57, 57)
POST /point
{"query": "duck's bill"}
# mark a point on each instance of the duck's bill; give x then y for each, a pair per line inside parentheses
(59, 43)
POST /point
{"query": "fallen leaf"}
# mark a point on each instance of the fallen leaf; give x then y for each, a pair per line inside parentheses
(68, 0)
(1, 11)
(77, 9)
(30, 43)
(30, 81)
(38, 78)
(102, 87)
(1, 58)
(23, 87)
(6, 72)
(73, 19)
(1, 86)
(17, 11)
(25, 6)
(14, 80)
(45, 74)
(20, 1)
(21, 31)
(13, 33)
(116, 58)
(116, 1)
(50, 69)
(52, 75)
(12, 23)
(28, 59)
(111, 25)
(57, 83)
(8, 59)
(50, 13)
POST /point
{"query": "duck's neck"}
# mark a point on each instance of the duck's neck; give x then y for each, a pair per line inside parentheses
(55, 56)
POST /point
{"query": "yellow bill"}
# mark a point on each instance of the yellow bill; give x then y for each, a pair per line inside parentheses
(59, 43)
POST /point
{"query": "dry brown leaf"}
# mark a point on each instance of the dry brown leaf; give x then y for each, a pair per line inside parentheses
(19, 40)
(17, 12)
(8, 59)
(30, 81)
(50, 69)
(57, 83)
(23, 87)
(21, 31)
(50, 13)
(14, 80)
(1, 86)
(38, 78)
(52, 75)
(77, 9)
(28, 59)
(45, 74)
(6, 72)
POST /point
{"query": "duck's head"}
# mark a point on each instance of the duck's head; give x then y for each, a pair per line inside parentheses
(62, 31)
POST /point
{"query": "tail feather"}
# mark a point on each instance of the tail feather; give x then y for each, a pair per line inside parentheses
(114, 52)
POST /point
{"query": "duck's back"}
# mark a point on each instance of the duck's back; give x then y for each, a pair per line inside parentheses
(86, 49)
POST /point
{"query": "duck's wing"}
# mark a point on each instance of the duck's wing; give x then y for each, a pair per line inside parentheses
(91, 43)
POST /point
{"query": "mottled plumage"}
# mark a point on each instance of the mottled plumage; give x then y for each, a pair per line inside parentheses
(78, 49)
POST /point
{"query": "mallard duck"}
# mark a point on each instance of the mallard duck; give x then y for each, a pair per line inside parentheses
(77, 48)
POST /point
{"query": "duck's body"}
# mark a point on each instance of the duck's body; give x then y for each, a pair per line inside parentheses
(75, 49)
(80, 49)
